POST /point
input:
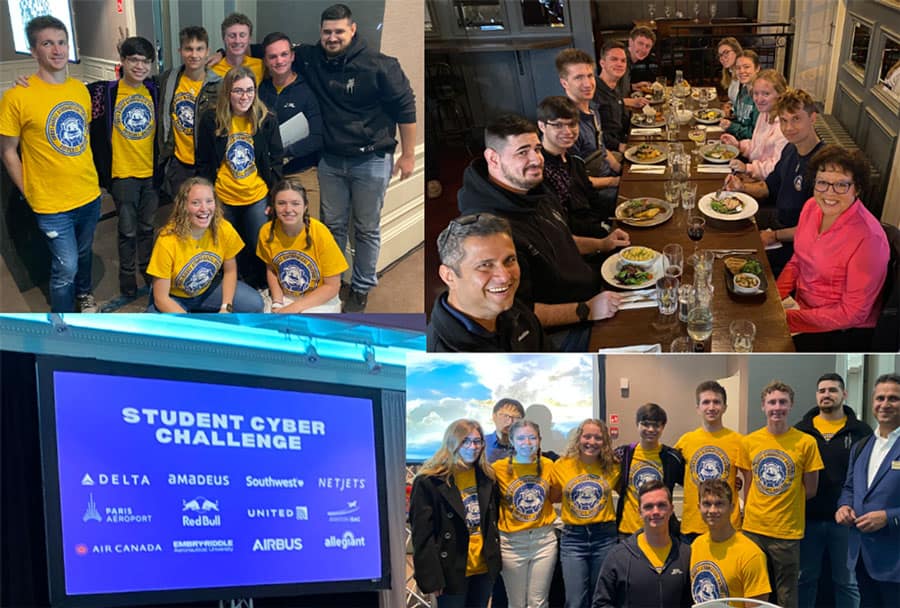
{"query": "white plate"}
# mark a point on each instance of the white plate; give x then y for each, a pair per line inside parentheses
(658, 219)
(749, 210)
(705, 150)
(611, 267)
(709, 121)
(629, 154)
(636, 123)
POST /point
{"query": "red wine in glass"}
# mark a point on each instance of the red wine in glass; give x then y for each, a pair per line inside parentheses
(695, 228)
(695, 233)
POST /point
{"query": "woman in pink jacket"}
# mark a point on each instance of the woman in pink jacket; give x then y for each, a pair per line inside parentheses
(763, 149)
(840, 259)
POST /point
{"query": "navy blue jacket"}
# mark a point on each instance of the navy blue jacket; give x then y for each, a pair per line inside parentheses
(294, 99)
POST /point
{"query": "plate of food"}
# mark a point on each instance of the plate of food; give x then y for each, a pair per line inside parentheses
(646, 120)
(745, 276)
(645, 154)
(729, 206)
(620, 273)
(644, 212)
(718, 153)
(711, 116)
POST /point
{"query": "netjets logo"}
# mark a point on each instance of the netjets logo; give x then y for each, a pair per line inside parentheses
(346, 541)
(202, 510)
(345, 515)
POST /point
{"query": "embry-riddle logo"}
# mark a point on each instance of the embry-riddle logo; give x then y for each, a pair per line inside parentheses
(774, 472)
(527, 496)
(198, 273)
(708, 582)
(66, 129)
(297, 272)
(184, 113)
(240, 155)
(709, 462)
(586, 495)
(134, 117)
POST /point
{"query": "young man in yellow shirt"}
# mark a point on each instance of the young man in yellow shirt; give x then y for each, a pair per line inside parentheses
(724, 562)
(237, 30)
(781, 468)
(50, 119)
(710, 452)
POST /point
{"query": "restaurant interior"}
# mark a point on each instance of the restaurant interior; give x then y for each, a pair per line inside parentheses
(486, 57)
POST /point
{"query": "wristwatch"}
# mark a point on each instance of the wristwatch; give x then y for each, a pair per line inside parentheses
(583, 311)
(227, 307)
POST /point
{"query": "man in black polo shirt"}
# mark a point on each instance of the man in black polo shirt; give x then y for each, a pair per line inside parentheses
(479, 312)
(609, 100)
(508, 181)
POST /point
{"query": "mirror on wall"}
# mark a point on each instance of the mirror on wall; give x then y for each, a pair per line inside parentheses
(484, 15)
(889, 71)
(544, 13)
(859, 47)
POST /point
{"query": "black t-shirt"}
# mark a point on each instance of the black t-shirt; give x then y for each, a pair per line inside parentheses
(788, 185)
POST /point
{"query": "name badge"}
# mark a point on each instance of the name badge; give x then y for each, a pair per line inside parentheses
(895, 465)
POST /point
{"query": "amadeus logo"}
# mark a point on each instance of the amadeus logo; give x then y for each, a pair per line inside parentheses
(298, 512)
(347, 541)
(192, 479)
(342, 483)
(114, 515)
(345, 515)
(278, 544)
(202, 508)
(115, 479)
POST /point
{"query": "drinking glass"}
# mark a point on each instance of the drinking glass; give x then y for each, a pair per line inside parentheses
(695, 228)
(697, 134)
(689, 196)
(743, 333)
(673, 192)
(686, 295)
(674, 255)
(700, 325)
(667, 295)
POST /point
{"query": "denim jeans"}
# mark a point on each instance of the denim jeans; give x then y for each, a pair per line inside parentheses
(875, 594)
(246, 299)
(582, 550)
(783, 557)
(476, 595)
(353, 191)
(529, 558)
(70, 238)
(136, 203)
(822, 536)
(247, 220)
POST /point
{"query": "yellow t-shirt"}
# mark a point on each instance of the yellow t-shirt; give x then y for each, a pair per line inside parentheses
(300, 268)
(238, 182)
(734, 568)
(134, 127)
(656, 555)
(708, 456)
(776, 503)
(255, 65)
(645, 465)
(52, 124)
(525, 497)
(184, 117)
(192, 264)
(586, 491)
(828, 428)
(468, 491)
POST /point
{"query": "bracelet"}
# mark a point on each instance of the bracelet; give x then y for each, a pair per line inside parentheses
(775, 234)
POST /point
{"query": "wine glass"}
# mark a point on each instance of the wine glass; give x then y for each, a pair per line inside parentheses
(651, 9)
(697, 134)
(695, 228)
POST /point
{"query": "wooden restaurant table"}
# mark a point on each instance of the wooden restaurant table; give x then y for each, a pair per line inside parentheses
(647, 326)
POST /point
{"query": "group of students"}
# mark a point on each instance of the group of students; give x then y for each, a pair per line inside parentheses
(218, 141)
(556, 184)
(483, 505)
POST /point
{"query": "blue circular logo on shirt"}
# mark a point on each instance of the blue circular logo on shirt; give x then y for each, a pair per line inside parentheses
(526, 495)
(709, 462)
(240, 155)
(297, 272)
(707, 582)
(184, 113)
(66, 128)
(473, 512)
(773, 472)
(196, 276)
(586, 496)
(134, 117)
(644, 473)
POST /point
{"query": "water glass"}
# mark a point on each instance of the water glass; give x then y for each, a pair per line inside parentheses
(689, 195)
(667, 295)
(673, 192)
(674, 256)
(681, 344)
(743, 333)
(686, 295)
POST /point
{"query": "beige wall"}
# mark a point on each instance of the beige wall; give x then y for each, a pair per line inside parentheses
(403, 37)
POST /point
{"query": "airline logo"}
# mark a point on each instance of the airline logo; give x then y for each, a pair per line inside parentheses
(120, 548)
(342, 483)
(347, 514)
(299, 512)
(115, 479)
(346, 541)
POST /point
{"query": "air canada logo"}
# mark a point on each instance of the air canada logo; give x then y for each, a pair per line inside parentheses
(644, 472)
(587, 494)
(134, 117)
(66, 128)
(709, 462)
(774, 472)
(183, 103)
(346, 541)
(297, 272)
(91, 513)
(240, 155)
(200, 512)
(707, 582)
(347, 514)
(198, 273)
(527, 496)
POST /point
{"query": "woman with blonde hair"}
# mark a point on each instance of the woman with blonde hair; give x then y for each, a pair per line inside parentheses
(763, 148)
(453, 515)
(585, 477)
(239, 149)
(191, 249)
(527, 537)
(727, 51)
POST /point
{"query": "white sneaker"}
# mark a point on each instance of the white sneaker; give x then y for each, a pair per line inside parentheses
(86, 303)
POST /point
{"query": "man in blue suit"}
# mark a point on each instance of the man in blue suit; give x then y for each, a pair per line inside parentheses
(870, 501)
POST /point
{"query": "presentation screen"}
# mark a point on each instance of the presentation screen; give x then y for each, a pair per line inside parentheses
(163, 481)
(23, 11)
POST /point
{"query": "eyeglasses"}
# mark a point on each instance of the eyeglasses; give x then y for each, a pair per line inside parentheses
(138, 60)
(509, 416)
(242, 92)
(839, 187)
(563, 125)
(468, 442)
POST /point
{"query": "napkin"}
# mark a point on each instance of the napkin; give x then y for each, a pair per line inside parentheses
(638, 304)
(775, 245)
(713, 169)
(637, 348)
(646, 131)
(659, 170)
(713, 129)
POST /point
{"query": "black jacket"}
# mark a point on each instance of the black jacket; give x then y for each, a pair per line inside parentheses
(440, 537)
(206, 99)
(518, 330)
(627, 580)
(266, 147)
(552, 269)
(296, 98)
(103, 105)
(673, 473)
(586, 210)
(363, 96)
(836, 457)
(613, 117)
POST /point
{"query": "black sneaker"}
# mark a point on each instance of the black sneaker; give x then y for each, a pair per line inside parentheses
(356, 302)
(86, 303)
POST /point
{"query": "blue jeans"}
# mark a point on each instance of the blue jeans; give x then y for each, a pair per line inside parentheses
(476, 595)
(822, 536)
(247, 220)
(246, 299)
(136, 203)
(353, 190)
(582, 550)
(70, 237)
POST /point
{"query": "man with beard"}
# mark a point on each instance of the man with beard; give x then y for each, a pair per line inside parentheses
(640, 67)
(835, 428)
(561, 284)
(610, 101)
